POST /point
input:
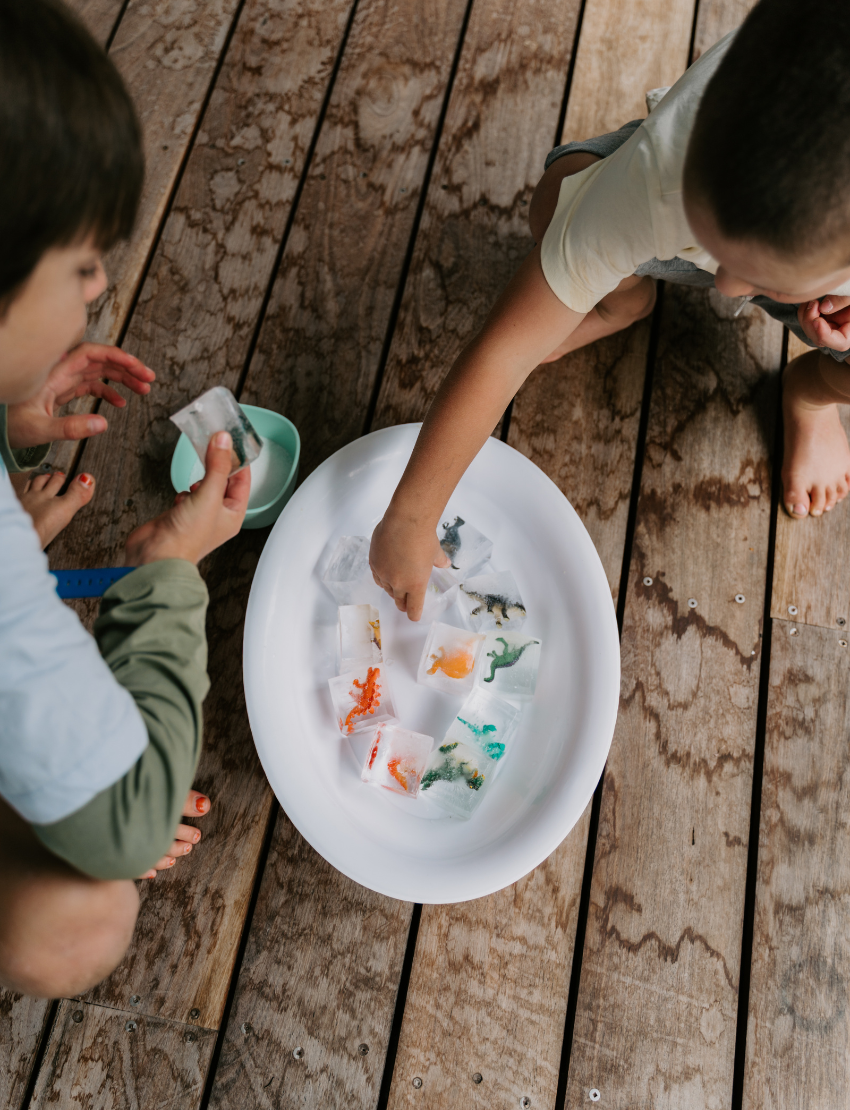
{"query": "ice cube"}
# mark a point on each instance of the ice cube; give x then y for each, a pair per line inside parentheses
(509, 665)
(467, 548)
(492, 601)
(361, 698)
(348, 576)
(449, 658)
(359, 637)
(485, 721)
(456, 778)
(396, 759)
(218, 411)
(440, 594)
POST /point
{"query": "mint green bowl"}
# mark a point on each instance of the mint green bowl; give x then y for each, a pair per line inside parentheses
(186, 467)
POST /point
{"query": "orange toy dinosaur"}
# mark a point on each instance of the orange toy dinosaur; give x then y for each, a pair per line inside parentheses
(457, 664)
(368, 700)
(393, 768)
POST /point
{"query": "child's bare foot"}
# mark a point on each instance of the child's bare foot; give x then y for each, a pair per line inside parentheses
(816, 467)
(186, 836)
(49, 510)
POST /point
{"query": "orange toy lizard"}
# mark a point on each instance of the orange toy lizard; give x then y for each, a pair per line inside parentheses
(457, 664)
(393, 768)
(368, 700)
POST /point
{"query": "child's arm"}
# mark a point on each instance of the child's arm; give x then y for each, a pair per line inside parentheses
(526, 324)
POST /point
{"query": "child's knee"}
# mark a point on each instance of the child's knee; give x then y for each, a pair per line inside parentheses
(60, 938)
(633, 300)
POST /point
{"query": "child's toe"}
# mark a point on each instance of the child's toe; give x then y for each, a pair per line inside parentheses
(818, 501)
(54, 482)
(796, 502)
(81, 490)
(39, 482)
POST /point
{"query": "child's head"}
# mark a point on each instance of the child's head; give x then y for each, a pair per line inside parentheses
(70, 148)
(767, 174)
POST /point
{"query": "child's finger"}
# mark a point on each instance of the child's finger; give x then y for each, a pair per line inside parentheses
(75, 427)
(196, 804)
(238, 490)
(217, 465)
(415, 604)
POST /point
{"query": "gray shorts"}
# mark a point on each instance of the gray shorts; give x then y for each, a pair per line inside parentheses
(679, 270)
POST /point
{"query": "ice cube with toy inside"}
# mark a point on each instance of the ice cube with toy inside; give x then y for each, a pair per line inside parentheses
(217, 411)
(440, 594)
(456, 778)
(509, 665)
(486, 722)
(396, 759)
(491, 601)
(448, 659)
(348, 576)
(359, 636)
(467, 548)
(361, 698)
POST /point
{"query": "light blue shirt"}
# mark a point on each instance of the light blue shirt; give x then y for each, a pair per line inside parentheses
(68, 730)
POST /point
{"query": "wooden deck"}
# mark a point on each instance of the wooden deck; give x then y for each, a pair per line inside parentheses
(336, 192)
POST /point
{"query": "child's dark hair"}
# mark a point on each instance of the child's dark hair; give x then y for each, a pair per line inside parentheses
(770, 150)
(70, 142)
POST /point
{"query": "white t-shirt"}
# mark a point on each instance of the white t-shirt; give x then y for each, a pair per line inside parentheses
(67, 728)
(627, 208)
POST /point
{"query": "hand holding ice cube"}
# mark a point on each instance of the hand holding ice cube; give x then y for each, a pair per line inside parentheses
(402, 557)
(200, 521)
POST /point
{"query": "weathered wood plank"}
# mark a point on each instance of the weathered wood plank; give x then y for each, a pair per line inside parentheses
(320, 346)
(484, 1020)
(98, 15)
(104, 1059)
(663, 935)
(22, 1025)
(808, 586)
(166, 51)
(474, 228)
(624, 50)
(320, 974)
(195, 318)
(798, 1037)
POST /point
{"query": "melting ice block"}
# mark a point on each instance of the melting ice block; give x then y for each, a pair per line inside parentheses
(348, 576)
(486, 722)
(509, 665)
(359, 637)
(492, 601)
(218, 411)
(467, 548)
(361, 699)
(396, 759)
(440, 594)
(449, 658)
(456, 778)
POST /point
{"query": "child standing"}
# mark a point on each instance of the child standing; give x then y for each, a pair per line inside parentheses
(738, 179)
(100, 735)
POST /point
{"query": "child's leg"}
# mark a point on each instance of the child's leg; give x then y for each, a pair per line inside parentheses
(633, 299)
(816, 467)
(60, 932)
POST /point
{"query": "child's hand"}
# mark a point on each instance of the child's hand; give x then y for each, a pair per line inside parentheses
(200, 521)
(185, 837)
(827, 322)
(401, 560)
(77, 374)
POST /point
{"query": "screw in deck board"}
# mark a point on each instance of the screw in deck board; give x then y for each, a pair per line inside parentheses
(246, 1028)
(647, 581)
(363, 1049)
(194, 1013)
(792, 610)
(131, 1027)
(135, 999)
(792, 631)
(77, 1017)
(525, 1102)
(594, 1095)
(190, 1037)
(740, 599)
(840, 621)
(417, 1082)
(298, 1053)
(692, 603)
(842, 643)
(478, 1077)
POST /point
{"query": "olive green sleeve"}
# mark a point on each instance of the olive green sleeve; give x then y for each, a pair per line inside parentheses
(25, 458)
(151, 633)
